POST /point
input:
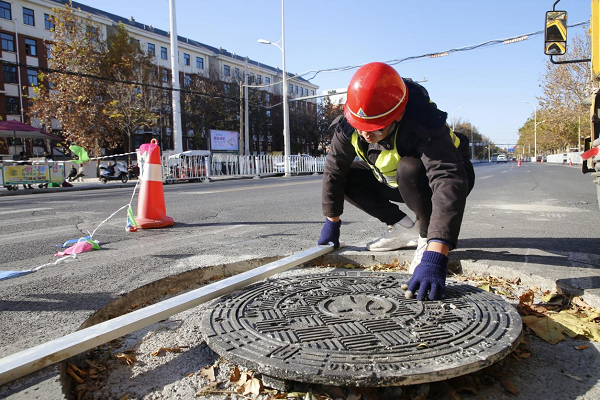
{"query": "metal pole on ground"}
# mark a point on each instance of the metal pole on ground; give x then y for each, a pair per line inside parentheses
(27, 361)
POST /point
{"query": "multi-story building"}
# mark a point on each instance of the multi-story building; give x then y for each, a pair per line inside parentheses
(26, 29)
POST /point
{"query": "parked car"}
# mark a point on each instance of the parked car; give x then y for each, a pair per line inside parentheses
(501, 158)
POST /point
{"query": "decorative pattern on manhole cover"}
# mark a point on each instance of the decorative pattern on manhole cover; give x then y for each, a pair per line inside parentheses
(356, 328)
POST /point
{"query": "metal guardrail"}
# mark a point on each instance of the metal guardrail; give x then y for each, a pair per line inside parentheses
(183, 167)
(27, 361)
(565, 158)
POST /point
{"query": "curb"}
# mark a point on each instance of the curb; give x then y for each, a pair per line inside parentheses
(353, 255)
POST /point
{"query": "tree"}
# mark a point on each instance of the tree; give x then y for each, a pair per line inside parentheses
(564, 87)
(68, 93)
(129, 106)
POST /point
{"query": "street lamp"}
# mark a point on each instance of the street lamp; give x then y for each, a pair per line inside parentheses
(534, 130)
(452, 118)
(286, 116)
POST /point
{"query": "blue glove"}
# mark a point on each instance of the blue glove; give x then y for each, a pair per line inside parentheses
(429, 276)
(330, 233)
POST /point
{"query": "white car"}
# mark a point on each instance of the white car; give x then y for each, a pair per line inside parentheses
(501, 158)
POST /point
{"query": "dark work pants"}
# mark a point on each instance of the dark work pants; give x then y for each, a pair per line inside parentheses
(365, 192)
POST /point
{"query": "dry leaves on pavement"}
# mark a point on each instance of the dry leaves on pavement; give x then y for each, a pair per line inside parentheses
(558, 315)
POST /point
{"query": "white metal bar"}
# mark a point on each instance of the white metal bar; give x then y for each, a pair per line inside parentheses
(35, 358)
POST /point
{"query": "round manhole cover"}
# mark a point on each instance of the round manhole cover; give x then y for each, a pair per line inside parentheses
(357, 329)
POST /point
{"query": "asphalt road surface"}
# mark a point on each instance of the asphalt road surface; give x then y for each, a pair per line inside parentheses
(538, 220)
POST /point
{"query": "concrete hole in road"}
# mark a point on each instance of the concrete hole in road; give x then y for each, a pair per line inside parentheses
(178, 370)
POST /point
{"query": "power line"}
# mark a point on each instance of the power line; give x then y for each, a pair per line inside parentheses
(487, 43)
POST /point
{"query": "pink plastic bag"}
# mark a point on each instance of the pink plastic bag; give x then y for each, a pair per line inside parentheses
(79, 247)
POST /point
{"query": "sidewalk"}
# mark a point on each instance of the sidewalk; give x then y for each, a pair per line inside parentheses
(95, 184)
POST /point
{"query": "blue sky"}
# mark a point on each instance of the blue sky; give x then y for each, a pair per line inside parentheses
(490, 84)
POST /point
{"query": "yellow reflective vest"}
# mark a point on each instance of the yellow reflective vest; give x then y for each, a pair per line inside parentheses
(386, 165)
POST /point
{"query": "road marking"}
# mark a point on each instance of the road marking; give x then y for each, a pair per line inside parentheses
(503, 172)
(535, 207)
(25, 210)
(250, 188)
(484, 177)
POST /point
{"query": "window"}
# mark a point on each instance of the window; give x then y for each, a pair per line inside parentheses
(5, 10)
(32, 77)
(236, 71)
(267, 80)
(186, 59)
(296, 89)
(268, 113)
(49, 51)
(165, 75)
(258, 79)
(187, 80)
(10, 74)
(302, 91)
(268, 97)
(28, 16)
(12, 105)
(30, 47)
(226, 71)
(151, 49)
(163, 53)
(48, 24)
(313, 92)
(199, 62)
(291, 88)
(226, 87)
(8, 42)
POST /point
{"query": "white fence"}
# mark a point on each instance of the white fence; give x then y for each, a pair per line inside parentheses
(565, 158)
(183, 167)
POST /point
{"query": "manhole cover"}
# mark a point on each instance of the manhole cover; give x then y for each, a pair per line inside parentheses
(357, 329)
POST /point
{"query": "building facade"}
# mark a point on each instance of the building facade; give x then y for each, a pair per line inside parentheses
(26, 36)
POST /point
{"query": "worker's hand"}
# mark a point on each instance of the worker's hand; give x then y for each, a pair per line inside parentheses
(330, 233)
(429, 276)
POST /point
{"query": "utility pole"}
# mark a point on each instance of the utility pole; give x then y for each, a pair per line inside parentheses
(177, 145)
(242, 144)
(246, 117)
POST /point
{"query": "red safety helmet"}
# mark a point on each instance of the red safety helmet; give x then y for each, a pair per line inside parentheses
(376, 96)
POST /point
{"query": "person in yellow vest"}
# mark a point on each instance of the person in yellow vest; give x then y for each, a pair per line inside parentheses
(393, 145)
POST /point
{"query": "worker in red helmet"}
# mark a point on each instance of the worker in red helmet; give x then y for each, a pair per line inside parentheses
(392, 145)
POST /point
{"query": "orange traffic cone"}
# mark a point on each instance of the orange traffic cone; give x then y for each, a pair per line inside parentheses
(151, 200)
(519, 164)
(570, 162)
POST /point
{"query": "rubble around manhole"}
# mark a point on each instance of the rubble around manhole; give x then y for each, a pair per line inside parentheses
(166, 360)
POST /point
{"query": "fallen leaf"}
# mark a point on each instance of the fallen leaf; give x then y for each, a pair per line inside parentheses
(253, 386)
(574, 377)
(507, 384)
(582, 347)
(164, 350)
(544, 328)
(74, 375)
(422, 346)
(526, 298)
(575, 326)
(208, 373)
(235, 375)
(243, 379)
(126, 359)
(126, 397)
(485, 287)
(208, 389)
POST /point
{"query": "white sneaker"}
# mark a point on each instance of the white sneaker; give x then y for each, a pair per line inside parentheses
(421, 247)
(395, 237)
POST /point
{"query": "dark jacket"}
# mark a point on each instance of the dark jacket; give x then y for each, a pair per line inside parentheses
(423, 133)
